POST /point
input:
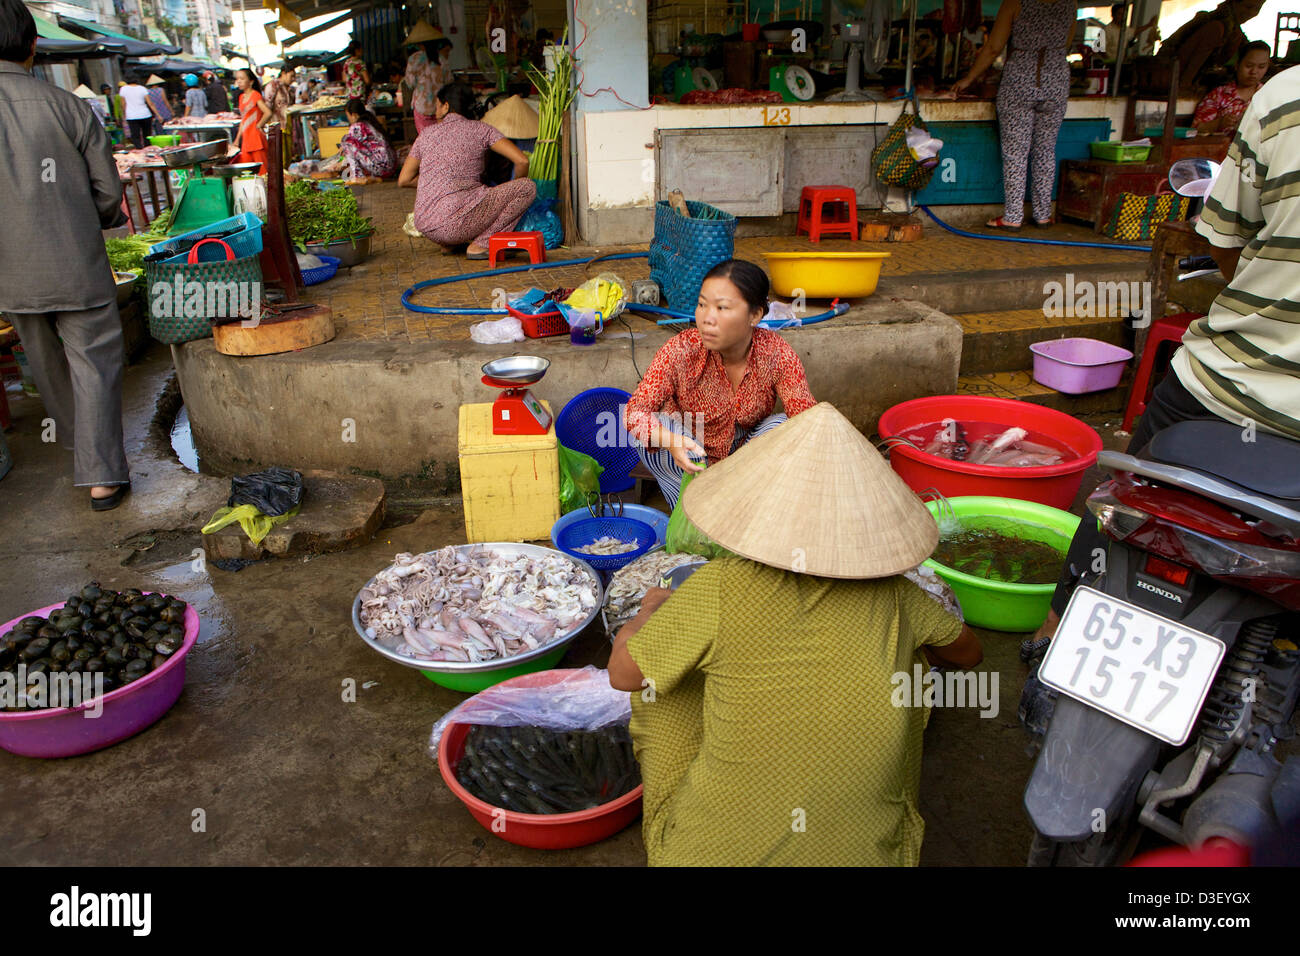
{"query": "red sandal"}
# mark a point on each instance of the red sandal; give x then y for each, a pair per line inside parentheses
(1000, 223)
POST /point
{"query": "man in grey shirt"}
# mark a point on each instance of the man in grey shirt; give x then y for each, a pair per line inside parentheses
(61, 188)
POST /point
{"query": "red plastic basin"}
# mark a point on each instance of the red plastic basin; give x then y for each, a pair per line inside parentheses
(68, 731)
(542, 831)
(1052, 485)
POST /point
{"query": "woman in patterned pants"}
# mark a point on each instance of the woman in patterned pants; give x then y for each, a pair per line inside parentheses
(445, 166)
(714, 387)
(1032, 97)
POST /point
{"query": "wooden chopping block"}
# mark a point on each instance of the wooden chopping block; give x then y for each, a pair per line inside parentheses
(299, 329)
(890, 227)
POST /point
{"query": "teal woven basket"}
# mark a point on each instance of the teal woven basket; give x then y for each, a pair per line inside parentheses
(226, 286)
(685, 249)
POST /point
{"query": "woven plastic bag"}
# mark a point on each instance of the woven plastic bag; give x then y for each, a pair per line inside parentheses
(579, 479)
(892, 161)
(683, 537)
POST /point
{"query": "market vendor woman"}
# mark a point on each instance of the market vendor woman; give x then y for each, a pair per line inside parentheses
(767, 716)
(445, 166)
(718, 382)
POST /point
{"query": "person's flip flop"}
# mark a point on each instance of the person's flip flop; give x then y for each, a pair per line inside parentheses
(1044, 223)
(476, 255)
(111, 501)
(1000, 223)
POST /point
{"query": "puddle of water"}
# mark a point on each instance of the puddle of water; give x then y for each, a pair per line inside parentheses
(183, 440)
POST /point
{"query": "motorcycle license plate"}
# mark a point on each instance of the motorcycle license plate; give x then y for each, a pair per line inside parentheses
(1136, 666)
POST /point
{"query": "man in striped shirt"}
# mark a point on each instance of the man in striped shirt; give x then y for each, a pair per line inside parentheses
(1242, 361)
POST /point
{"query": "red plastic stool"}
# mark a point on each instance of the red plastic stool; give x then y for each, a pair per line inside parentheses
(505, 241)
(816, 220)
(1168, 329)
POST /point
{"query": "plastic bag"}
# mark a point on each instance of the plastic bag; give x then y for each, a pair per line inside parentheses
(497, 331)
(255, 524)
(781, 316)
(604, 294)
(928, 580)
(580, 700)
(579, 479)
(683, 537)
(542, 217)
(273, 492)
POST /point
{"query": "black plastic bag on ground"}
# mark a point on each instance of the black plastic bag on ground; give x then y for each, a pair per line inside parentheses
(273, 492)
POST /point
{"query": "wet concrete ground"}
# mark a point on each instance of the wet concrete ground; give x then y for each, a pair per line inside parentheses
(263, 743)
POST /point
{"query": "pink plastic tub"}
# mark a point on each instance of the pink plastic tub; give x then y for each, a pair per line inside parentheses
(66, 732)
(1075, 366)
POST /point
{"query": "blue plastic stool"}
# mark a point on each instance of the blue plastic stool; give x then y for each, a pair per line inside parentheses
(584, 419)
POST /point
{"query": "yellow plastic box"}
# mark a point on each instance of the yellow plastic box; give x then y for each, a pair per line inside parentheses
(329, 138)
(510, 484)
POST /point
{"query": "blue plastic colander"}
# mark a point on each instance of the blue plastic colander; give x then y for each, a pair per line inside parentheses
(587, 423)
(583, 533)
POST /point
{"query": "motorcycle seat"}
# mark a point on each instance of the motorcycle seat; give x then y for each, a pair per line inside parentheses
(1268, 466)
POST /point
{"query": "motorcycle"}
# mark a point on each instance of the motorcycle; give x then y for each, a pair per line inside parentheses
(1173, 675)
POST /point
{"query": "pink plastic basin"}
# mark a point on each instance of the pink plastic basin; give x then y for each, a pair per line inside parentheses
(67, 731)
(1075, 366)
(542, 831)
(1052, 485)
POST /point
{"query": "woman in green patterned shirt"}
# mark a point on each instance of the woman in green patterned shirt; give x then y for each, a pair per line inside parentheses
(763, 688)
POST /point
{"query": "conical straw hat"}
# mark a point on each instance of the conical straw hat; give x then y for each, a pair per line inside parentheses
(85, 92)
(813, 496)
(154, 80)
(421, 32)
(513, 118)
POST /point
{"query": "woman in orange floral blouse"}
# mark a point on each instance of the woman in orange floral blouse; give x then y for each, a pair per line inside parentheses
(713, 387)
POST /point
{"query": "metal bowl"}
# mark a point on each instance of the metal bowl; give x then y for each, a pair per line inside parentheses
(125, 282)
(231, 170)
(179, 156)
(479, 667)
(523, 369)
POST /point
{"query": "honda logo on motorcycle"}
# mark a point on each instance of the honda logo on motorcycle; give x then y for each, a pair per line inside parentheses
(1161, 591)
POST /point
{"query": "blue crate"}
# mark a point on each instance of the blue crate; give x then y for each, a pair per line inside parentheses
(246, 243)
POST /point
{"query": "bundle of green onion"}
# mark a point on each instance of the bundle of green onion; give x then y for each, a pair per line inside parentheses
(556, 94)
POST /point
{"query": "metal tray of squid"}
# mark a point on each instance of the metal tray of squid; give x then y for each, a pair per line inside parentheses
(474, 667)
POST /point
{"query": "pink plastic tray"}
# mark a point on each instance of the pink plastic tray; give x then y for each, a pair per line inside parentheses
(1075, 366)
(66, 731)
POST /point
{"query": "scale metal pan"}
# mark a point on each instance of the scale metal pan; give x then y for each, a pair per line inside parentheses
(516, 370)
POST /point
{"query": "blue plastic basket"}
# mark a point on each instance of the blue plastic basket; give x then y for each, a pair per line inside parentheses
(651, 516)
(321, 273)
(582, 533)
(246, 243)
(584, 424)
(685, 248)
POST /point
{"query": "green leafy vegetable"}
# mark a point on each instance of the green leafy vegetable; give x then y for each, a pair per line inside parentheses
(317, 215)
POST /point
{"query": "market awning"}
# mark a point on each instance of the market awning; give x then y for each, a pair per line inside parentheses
(176, 66)
(54, 43)
(130, 45)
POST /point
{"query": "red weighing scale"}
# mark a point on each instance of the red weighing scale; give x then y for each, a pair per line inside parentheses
(516, 411)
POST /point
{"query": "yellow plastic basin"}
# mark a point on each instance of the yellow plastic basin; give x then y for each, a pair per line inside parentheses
(825, 275)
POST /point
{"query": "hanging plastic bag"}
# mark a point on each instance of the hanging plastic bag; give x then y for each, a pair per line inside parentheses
(683, 537)
(579, 479)
(273, 492)
(606, 294)
(255, 524)
(580, 700)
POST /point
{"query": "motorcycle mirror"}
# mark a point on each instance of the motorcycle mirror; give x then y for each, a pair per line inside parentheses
(1193, 178)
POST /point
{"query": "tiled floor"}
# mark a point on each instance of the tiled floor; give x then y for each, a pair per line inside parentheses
(367, 305)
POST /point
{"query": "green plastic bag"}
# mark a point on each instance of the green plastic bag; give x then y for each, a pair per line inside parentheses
(579, 479)
(683, 537)
(255, 524)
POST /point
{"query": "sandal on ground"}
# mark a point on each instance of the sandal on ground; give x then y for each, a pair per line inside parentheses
(110, 502)
(1000, 223)
(476, 255)
(1044, 223)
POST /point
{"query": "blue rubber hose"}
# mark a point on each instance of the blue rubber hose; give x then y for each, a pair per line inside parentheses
(1033, 242)
(505, 270)
(678, 318)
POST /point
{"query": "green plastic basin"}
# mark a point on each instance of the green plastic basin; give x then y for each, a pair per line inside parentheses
(475, 681)
(999, 605)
